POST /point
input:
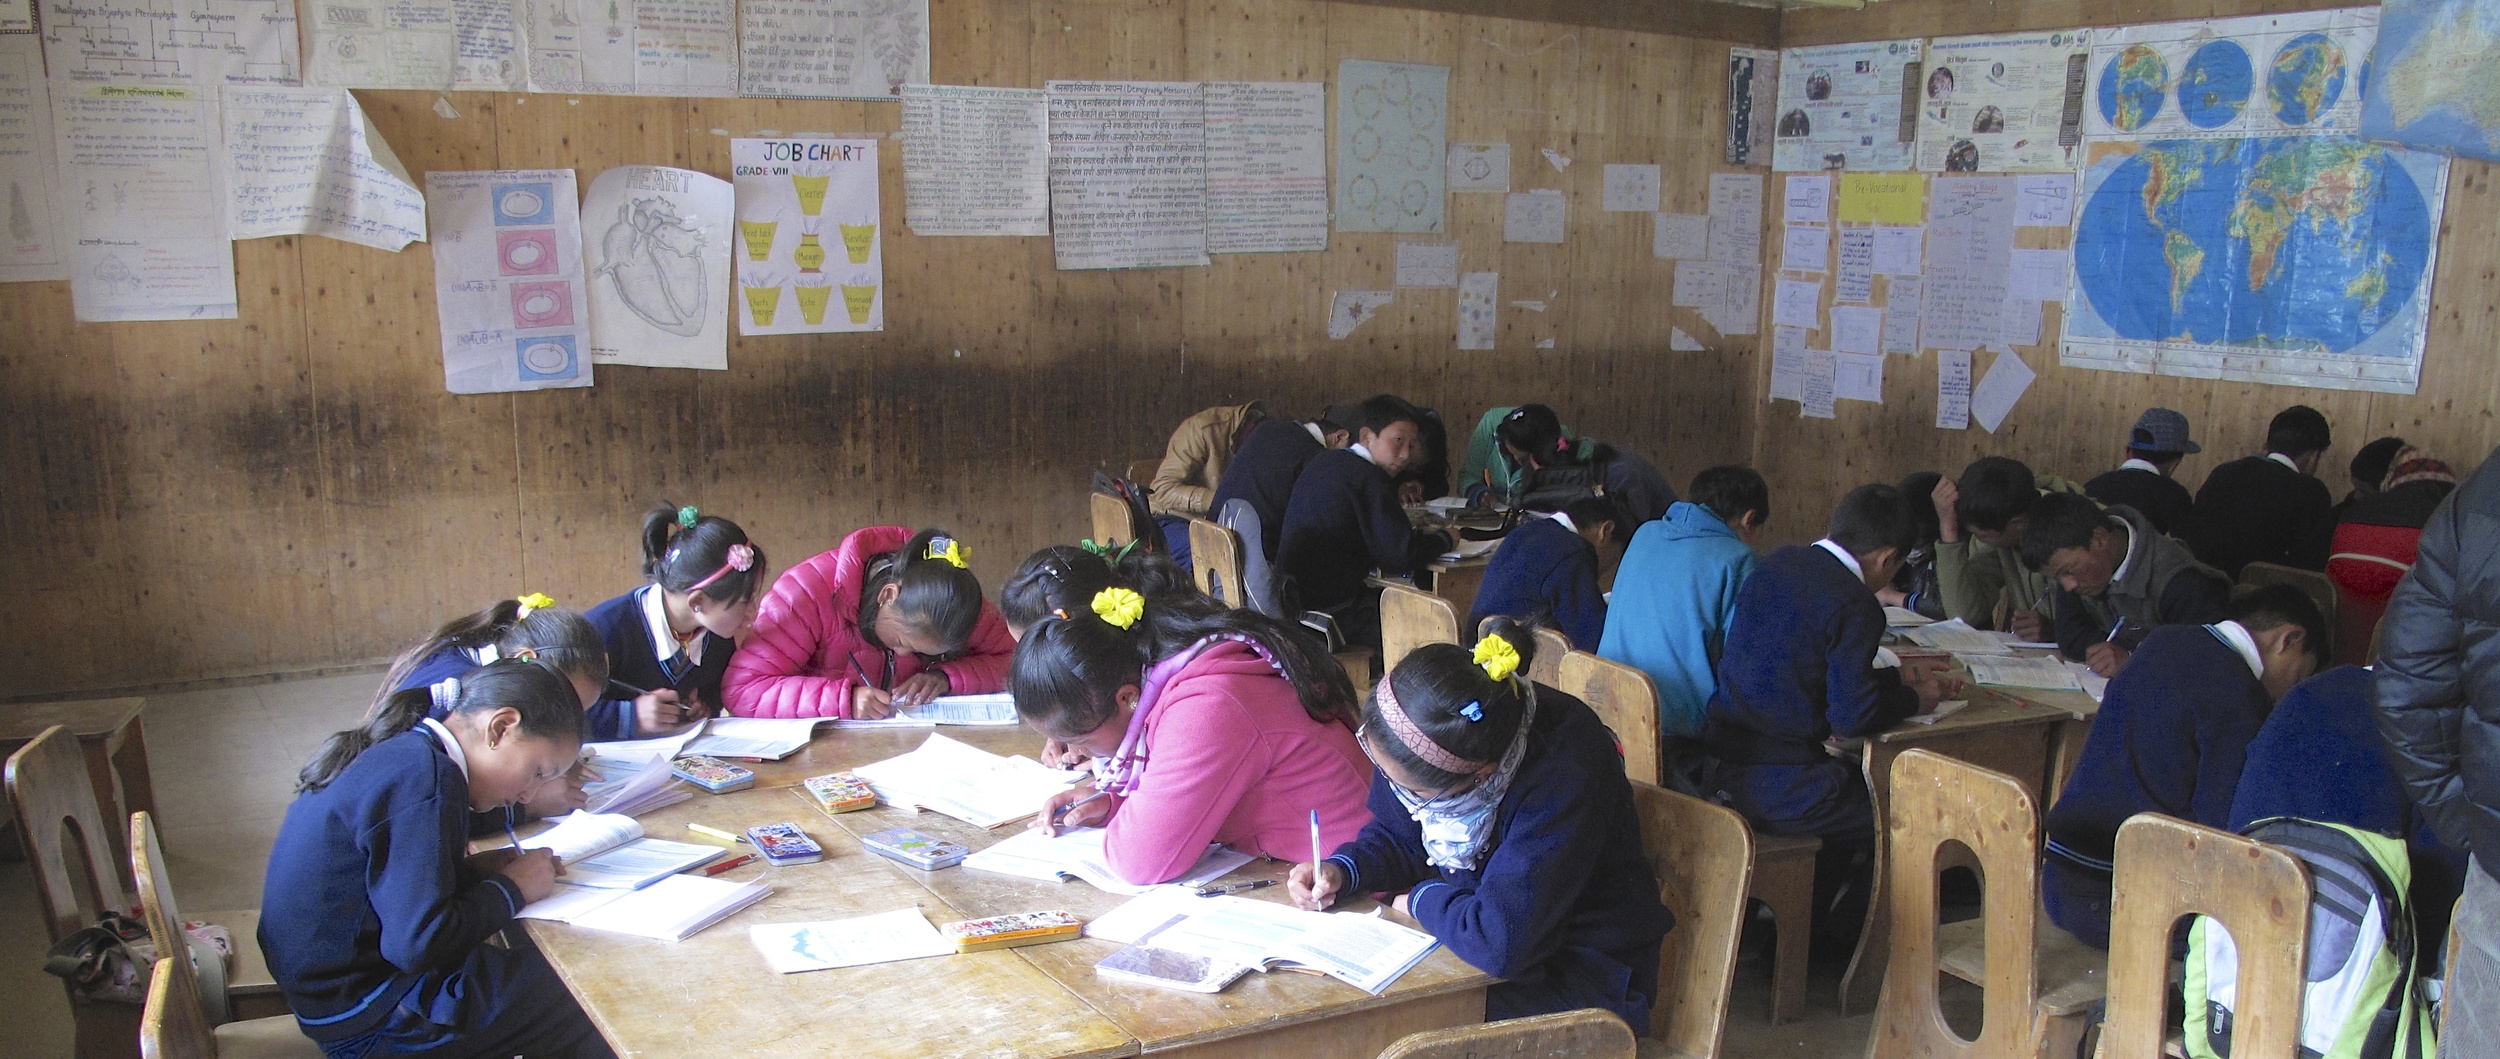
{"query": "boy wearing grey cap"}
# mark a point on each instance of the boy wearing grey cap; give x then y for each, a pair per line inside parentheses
(2154, 449)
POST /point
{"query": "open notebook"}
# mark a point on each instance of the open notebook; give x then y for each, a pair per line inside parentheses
(603, 852)
(759, 738)
(1366, 952)
(671, 909)
(996, 710)
(1076, 853)
(965, 782)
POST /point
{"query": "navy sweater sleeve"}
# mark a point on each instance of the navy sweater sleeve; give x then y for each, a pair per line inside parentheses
(2075, 627)
(1863, 700)
(1387, 856)
(1579, 605)
(430, 920)
(1510, 916)
(2191, 598)
(1397, 547)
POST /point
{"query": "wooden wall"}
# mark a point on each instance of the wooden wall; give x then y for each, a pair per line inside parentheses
(2074, 421)
(295, 489)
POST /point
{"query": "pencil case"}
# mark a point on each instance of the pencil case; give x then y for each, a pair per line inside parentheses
(911, 847)
(840, 792)
(712, 774)
(784, 844)
(1010, 931)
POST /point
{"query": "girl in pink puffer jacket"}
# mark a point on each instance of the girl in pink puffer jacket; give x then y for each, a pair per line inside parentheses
(887, 618)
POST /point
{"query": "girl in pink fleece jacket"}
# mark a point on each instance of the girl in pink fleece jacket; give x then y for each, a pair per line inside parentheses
(1204, 728)
(887, 618)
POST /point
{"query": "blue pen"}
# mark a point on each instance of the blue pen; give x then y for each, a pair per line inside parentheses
(1315, 856)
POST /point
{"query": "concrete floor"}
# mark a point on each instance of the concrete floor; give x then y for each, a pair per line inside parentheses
(225, 762)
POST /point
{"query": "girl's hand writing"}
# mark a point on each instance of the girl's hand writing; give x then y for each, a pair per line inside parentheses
(1314, 891)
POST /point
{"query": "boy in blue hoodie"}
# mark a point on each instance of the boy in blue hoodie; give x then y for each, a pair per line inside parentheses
(1677, 589)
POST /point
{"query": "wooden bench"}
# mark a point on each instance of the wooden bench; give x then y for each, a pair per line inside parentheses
(1584, 1034)
(1411, 618)
(177, 1023)
(2169, 868)
(1703, 856)
(1216, 562)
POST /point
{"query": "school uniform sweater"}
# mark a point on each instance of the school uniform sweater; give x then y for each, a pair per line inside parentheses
(368, 904)
(634, 657)
(607, 719)
(1563, 908)
(2171, 735)
(2162, 500)
(1344, 520)
(1232, 757)
(1544, 571)
(2261, 509)
(2157, 583)
(1799, 664)
(1263, 473)
(1675, 596)
(808, 650)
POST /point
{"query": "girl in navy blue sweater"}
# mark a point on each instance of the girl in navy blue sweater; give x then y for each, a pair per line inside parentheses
(375, 918)
(1502, 818)
(529, 627)
(668, 643)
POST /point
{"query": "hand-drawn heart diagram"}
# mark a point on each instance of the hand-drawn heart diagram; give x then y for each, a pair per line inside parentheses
(655, 259)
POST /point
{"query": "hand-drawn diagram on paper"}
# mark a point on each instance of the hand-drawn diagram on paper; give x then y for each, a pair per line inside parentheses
(171, 42)
(832, 49)
(1392, 146)
(508, 279)
(656, 251)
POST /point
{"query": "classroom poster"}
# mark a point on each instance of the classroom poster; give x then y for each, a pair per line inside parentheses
(305, 161)
(167, 42)
(423, 44)
(832, 49)
(508, 279)
(1753, 78)
(2004, 103)
(1267, 167)
(32, 242)
(809, 229)
(631, 47)
(144, 199)
(1847, 106)
(1128, 174)
(17, 16)
(976, 161)
(1392, 146)
(655, 249)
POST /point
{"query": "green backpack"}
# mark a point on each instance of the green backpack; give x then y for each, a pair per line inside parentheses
(2364, 997)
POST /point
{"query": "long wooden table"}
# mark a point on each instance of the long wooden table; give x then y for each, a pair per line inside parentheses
(712, 995)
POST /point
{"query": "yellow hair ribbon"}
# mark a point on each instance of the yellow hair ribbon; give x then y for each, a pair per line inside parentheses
(952, 551)
(535, 601)
(1118, 607)
(1497, 656)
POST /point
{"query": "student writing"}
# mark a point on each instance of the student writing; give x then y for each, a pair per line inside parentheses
(2117, 578)
(1061, 580)
(887, 618)
(1555, 570)
(673, 638)
(529, 627)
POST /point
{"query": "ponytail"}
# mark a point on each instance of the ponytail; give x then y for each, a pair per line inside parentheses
(1450, 699)
(542, 697)
(1063, 578)
(935, 591)
(684, 550)
(1067, 672)
(537, 629)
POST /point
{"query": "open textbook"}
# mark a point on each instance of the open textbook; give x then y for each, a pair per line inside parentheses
(965, 782)
(605, 852)
(997, 709)
(1077, 853)
(671, 909)
(757, 738)
(1366, 952)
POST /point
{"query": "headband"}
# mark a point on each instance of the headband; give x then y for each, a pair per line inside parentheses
(741, 558)
(1413, 738)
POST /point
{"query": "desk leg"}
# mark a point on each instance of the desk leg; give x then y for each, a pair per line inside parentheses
(1360, 1034)
(2066, 753)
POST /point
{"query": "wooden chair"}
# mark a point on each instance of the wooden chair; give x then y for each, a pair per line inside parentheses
(2317, 586)
(1703, 857)
(1588, 1033)
(1411, 618)
(1215, 559)
(1111, 528)
(2039, 981)
(2169, 868)
(1143, 471)
(171, 1026)
(1623, 699)
(1551, 646)
(250, 991)
(1357, 663)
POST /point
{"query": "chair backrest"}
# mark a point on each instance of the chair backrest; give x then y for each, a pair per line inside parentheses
(2169, 868)
(2316, 585)
(1589, 1033)
(170, 1025)
(1624, 699)
(1702, 855)
(1143, 471)
(1111, 525)
(1215, 560)
(1551, 646)
(64, 832)
(1936, 799)
(1410, 618)
(156, 887)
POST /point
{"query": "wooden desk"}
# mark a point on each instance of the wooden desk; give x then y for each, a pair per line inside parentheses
(115, 740)
(1042, 1000)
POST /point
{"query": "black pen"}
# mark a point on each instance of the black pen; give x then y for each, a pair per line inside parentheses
(1219, 891)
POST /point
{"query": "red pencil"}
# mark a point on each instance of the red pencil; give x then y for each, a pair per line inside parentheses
(728, 864)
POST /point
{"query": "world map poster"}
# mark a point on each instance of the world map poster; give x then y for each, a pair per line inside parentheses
(2232, 225)
(2438, 80)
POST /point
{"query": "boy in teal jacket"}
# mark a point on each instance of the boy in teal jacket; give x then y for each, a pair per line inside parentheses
(1676, 591)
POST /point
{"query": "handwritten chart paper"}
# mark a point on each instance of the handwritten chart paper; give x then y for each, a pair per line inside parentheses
(1477, 294)
(17, 16)
(1267, 167)
(1479, 167)
(170, 42)
(1953, 389)
(811, 245)
(1428, 264)
(1534, 216)
(1856, 282)
(508, 279)
(32, 246)
(976, 161)
(1806, 248)
(1631, 189)
(656, 249)
(1680, 236)
(429, 44)
(1970, 247)
(306, 162)
(1392, 146)
(832, 49)
(1901, 305)
(145, 197)
(1128, 173)
(632, 47)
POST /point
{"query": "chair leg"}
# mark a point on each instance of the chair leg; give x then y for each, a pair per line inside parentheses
(2057, 1036)
(1787, 886)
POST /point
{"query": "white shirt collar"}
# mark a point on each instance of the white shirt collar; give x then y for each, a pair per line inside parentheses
(1842, 554)
(2283, 459)
(1365, 452)
(1564, 517)
(2236, 635)
(451, 746)
(1315, 433)
(2134, 464)
(2125, 558)
(663, 638)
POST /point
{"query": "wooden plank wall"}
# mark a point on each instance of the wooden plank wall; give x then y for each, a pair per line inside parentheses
(295, 489)
(2073, 422)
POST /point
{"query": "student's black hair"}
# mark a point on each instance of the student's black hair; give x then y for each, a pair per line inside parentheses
(677, 556)
(1336, 417)
(1920, 489)
(937, 598)
(1874, 517)
(2059, 521)
(1434, 685)
(1535, 429)
(545, 700)
(2369, 466)
(1382, 411)
(1062, 579)
(1067, 672)
(2298, 431)
(2272, 606)
(1588, 511)
(1996, 490)
(1729, 490)
(562, 639)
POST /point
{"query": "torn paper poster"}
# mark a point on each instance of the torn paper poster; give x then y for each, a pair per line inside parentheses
(1350, 308)
(1679, 236)
(508, 279)
(1477, 294)
(1534, 216)
(811, 239)
(832, 49)
(976, 161)
(1428, 265)
(1679, 342)
(143, 190)
(1997, 391)
(1479, 167)
(1631, 189)
(305, 161)
(34, 245)
(1392, 146)
(1557, 159)
(1529, 305)
(656, 254)
(1953, 389)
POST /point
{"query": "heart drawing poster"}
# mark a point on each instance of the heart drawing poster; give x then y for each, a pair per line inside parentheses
(655, 252)
(811, 242)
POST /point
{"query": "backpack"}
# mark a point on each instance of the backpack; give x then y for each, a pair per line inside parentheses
(2365, 997)
(1554, 488)
(1141, 522)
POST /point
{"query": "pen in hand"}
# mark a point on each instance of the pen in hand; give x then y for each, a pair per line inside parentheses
(1062, 812)
(1315, 853)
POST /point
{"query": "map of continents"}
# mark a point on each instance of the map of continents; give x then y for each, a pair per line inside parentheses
(2438, 77)
(2307, 244)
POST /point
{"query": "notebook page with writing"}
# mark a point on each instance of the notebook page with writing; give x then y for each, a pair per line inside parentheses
(1078, 852)
(965, 782)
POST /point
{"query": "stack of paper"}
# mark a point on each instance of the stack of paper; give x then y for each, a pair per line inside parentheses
(610, 852)
(759, 738)
(1366, 952)
(2046, 674)
(993, 710)
(964, 782)
(671, 909)
(1077, 854)
(1470, 550)
(1904, 617)
(1956, 636)
(631, 787)
(2093, 683)
(904, 934)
